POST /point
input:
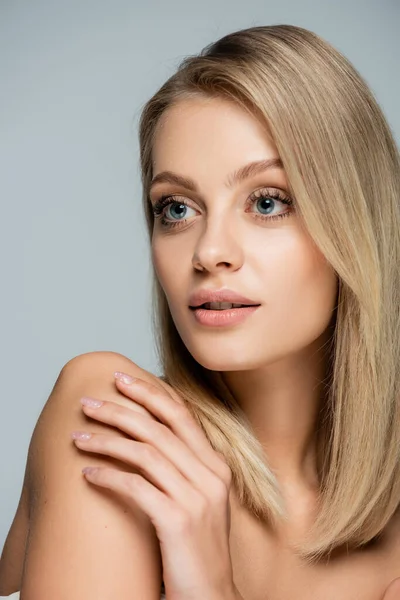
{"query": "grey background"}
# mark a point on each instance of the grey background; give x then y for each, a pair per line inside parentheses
(74, 258)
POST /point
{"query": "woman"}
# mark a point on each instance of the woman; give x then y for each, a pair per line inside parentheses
(267, 461)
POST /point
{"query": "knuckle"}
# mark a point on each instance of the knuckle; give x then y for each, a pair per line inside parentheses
(152, 390)
(115, 410)
(148, 452)
(131, 482)
(103, 441)
(220, 491)
(180, 413)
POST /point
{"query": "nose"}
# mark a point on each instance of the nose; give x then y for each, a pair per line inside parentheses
(218, 248)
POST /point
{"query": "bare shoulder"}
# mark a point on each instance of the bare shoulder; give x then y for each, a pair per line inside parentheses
(104, 363)
(100, 366)
(94, 370)
(120, 540)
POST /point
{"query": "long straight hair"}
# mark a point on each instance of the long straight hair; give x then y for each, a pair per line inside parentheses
(343, 168)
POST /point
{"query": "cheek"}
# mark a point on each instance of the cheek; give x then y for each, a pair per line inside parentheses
(306, 293)
(156, 259)
(168, 266)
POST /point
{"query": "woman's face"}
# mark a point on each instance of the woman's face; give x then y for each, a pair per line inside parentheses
(223, 239)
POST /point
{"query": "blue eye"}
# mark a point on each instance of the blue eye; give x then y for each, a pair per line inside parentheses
(268, 198)
(180, 208)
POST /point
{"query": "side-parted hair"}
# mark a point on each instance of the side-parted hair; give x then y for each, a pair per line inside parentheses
(343, 168)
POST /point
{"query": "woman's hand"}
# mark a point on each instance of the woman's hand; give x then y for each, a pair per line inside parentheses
(183, 487)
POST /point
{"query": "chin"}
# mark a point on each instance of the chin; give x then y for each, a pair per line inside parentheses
(222, 363)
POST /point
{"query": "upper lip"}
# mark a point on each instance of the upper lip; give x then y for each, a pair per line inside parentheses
(222, 295)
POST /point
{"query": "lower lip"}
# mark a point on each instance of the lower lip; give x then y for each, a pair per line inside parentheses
(220, 318)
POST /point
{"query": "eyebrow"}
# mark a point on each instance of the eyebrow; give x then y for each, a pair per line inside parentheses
(234, 178)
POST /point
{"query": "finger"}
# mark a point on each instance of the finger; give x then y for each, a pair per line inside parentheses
(164, 440)
(156, 468)
(157, 381)
(136, 489)
(178, 418)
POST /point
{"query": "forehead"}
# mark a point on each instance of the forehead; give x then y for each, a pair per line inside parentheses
(208, 130)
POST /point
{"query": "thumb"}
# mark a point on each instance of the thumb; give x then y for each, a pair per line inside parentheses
(393, 590)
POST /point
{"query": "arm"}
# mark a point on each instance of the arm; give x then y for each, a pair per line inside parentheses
(83, 544)
(13, 553)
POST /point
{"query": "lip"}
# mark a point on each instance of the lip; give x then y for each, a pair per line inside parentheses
(222, 318)
(222, 295)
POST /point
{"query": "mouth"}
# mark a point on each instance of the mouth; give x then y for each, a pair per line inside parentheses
(221, 306)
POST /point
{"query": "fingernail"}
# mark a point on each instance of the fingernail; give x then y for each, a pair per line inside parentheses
(80, 435)
(91, 402)
(89, 470)
(124, 378)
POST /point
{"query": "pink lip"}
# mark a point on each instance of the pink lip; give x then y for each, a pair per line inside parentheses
(221, 318)
(221, 295)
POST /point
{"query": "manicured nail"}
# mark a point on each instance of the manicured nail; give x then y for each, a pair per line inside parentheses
(89, 470)
(124, 378)
(80, 435)
(91, 402)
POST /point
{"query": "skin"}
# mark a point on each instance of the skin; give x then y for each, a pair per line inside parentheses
(273, 361)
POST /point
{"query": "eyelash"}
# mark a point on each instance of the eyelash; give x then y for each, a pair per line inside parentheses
(164, 201)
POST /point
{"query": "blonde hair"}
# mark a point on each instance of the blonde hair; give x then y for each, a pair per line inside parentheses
(343, 166)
